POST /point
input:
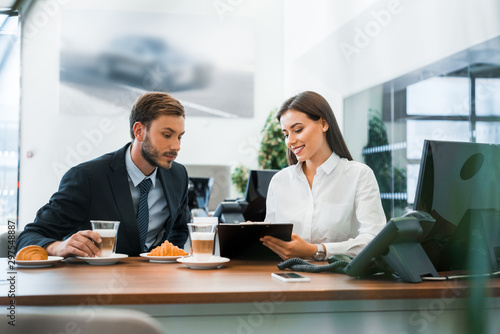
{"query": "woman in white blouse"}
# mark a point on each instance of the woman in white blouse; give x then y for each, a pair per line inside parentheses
(333, 202)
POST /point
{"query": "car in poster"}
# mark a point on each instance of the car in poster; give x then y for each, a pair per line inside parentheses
(152, 63)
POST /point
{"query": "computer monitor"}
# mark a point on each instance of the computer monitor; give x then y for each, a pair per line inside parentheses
(256, 193)
(253, 206)
(199, 190)
(456, 221)
(458, 185)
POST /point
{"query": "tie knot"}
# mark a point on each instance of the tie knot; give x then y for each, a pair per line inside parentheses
(145, 185)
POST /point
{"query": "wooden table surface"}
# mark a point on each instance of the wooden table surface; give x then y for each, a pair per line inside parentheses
(138, 281)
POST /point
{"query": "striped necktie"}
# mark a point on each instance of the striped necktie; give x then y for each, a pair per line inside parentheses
(143, 212)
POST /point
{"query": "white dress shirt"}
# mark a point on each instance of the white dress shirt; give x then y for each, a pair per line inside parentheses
(342, 209)
(157, 203)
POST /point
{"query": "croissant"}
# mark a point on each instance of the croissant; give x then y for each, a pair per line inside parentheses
(32, 253)
(167, 249)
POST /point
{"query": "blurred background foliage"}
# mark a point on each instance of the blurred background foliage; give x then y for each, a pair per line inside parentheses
(272, 152)
(389, 180)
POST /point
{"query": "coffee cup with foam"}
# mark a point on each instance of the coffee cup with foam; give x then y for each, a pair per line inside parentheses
(108, 231)
(202, 234)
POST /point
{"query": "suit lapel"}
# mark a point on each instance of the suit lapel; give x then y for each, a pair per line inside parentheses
(118, 179)
(166, 180)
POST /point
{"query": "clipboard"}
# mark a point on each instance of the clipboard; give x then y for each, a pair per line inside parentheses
(241, 241)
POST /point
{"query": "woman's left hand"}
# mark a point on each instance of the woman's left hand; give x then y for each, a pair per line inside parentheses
(297, 247)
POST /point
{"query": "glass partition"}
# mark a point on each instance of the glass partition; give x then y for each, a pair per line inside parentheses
(9, 118)
(454, 99)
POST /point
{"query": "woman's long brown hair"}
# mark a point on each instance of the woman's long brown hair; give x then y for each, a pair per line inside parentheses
(315, 107)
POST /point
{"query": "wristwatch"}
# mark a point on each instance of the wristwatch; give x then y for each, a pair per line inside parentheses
(320, 254)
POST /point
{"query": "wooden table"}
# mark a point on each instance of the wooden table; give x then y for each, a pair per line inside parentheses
(171, 292)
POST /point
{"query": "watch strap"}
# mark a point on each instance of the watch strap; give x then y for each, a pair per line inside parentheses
(320, 254)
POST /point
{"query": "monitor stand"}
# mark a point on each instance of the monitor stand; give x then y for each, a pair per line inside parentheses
(475, 245)
(409, 261)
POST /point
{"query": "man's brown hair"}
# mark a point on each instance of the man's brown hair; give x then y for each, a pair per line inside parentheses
(150, 106)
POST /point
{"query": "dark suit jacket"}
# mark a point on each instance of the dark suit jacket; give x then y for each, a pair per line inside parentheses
(99, 190)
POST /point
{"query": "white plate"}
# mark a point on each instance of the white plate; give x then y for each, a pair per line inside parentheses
(104, 261)
(162, 259)
(214, 262)
(38, 263)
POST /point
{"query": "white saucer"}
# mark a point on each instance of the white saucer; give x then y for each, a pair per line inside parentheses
(214, 262)
(162, 259)
(38, 263)
(104, 261)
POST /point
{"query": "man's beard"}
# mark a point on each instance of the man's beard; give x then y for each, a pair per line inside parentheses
(153, 156)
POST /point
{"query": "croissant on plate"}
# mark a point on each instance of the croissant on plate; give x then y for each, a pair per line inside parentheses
(32, 253)
(167, 249)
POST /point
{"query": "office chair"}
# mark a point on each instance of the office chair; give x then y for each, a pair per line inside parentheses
(34, 320)
(4, 243)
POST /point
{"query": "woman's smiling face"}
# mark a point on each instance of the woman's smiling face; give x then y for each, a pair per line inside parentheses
(305, 137)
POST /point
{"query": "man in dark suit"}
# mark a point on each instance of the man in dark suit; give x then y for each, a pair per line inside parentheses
(108, 188)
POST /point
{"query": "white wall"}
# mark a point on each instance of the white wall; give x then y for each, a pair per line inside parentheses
(58, 141)
(308, 25)
(358, 123)
(415, 34)
(340, 48)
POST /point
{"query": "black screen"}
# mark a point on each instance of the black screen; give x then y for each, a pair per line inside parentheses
(459, 186)
(199, 192)
(256, 193)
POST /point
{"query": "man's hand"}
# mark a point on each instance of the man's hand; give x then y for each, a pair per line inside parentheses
(297, 247)
(80, 244)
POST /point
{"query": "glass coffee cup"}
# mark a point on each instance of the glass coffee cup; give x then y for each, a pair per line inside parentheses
(108, 231)
(202, 234)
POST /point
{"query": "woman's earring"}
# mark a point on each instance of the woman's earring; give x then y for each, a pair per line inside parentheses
(324, 130)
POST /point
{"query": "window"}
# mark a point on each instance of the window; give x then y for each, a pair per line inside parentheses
(9, 118)
(443, 101)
